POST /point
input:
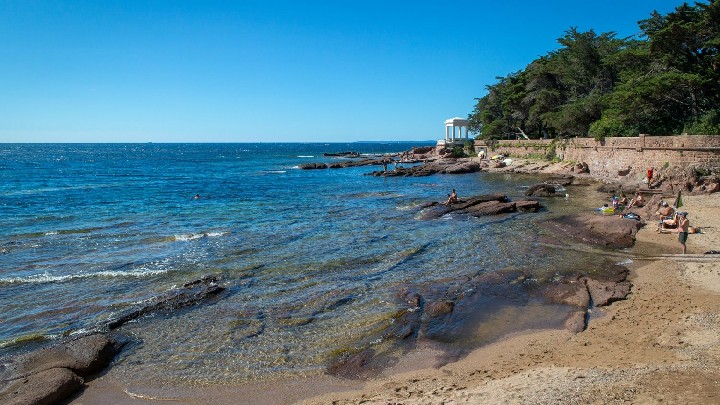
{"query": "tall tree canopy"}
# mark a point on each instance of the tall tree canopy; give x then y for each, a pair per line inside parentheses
(665, 82)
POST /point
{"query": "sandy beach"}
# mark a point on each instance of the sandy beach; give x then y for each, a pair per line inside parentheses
(658, 346)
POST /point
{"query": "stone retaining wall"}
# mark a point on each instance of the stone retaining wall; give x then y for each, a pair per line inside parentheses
(632, 155)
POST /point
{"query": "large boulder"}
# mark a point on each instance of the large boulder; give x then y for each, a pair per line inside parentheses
(541, 190)
(490, 208)
(51, 374)
(465, 167)
(606, 292)
(44, 388)
(84, 356)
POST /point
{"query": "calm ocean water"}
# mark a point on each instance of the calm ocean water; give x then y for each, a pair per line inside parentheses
(89, 230)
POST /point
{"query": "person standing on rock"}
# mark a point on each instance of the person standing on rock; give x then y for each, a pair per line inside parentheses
(682, 230)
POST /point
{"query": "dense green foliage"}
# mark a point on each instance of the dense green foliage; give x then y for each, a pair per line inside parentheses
(665, 82)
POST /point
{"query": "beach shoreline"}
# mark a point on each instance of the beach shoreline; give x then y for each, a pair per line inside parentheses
(655, 346)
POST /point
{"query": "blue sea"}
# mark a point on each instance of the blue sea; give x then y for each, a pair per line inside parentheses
(89, 230)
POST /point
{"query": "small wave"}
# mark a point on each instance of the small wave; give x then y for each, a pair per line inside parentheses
(49, 278)
(274, 171)
(306, 156)
(624, 262)
(50, 233)
(193, 236)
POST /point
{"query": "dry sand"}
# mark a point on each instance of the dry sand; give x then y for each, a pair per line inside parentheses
(661, 345)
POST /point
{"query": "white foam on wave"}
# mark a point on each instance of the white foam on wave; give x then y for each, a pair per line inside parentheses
(275, 171)
(306, 156)
(192, 236)
(49, 278)
(51, 233)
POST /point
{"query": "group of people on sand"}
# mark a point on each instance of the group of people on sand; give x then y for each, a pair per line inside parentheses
(670, 220)
(621, 203)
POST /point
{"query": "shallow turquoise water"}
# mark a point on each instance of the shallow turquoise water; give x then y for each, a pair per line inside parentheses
(89, 230)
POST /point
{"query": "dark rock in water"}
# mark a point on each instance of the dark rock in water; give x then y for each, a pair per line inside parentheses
(460, 168)
(313, 306)
(490, 208)
(576, 323)
(463, 204)
(247, 326)
(482, 205)
(438, 308)
(190, 294)
(527, 206)
(84, 356)
(44, 388)
(51, 374)
(541, 190)
(434, 211)
(355, 163)
(343, 154)
(307, 166)
(611, 231)
(354, 366)
(606, 292)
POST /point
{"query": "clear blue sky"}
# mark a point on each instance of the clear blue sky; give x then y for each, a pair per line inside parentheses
(270, 70)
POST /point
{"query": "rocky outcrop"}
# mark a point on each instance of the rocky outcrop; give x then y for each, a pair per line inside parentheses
(611, 230)
(344, 164)
(343, 154)
(189, 294)
(541, 190)
(309, 166)
(482, 205)
(439, 311)
(51, 374)
(442, 166)
(606, 292)
(586, 291)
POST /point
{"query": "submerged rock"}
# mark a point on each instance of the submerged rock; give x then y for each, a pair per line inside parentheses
(354, 366)
(189, 294)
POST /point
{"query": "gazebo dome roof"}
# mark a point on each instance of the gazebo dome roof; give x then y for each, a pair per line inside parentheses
(456, 121)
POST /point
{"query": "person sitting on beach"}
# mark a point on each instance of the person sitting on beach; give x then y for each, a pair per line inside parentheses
(452, 198)
(623, 200)
(682, 230)
(667, 216)
(638, 201)
(665, 211)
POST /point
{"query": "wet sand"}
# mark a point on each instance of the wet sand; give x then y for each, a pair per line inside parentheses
(659, 345)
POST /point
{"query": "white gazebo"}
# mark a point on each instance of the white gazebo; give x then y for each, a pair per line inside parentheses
(451, 137)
